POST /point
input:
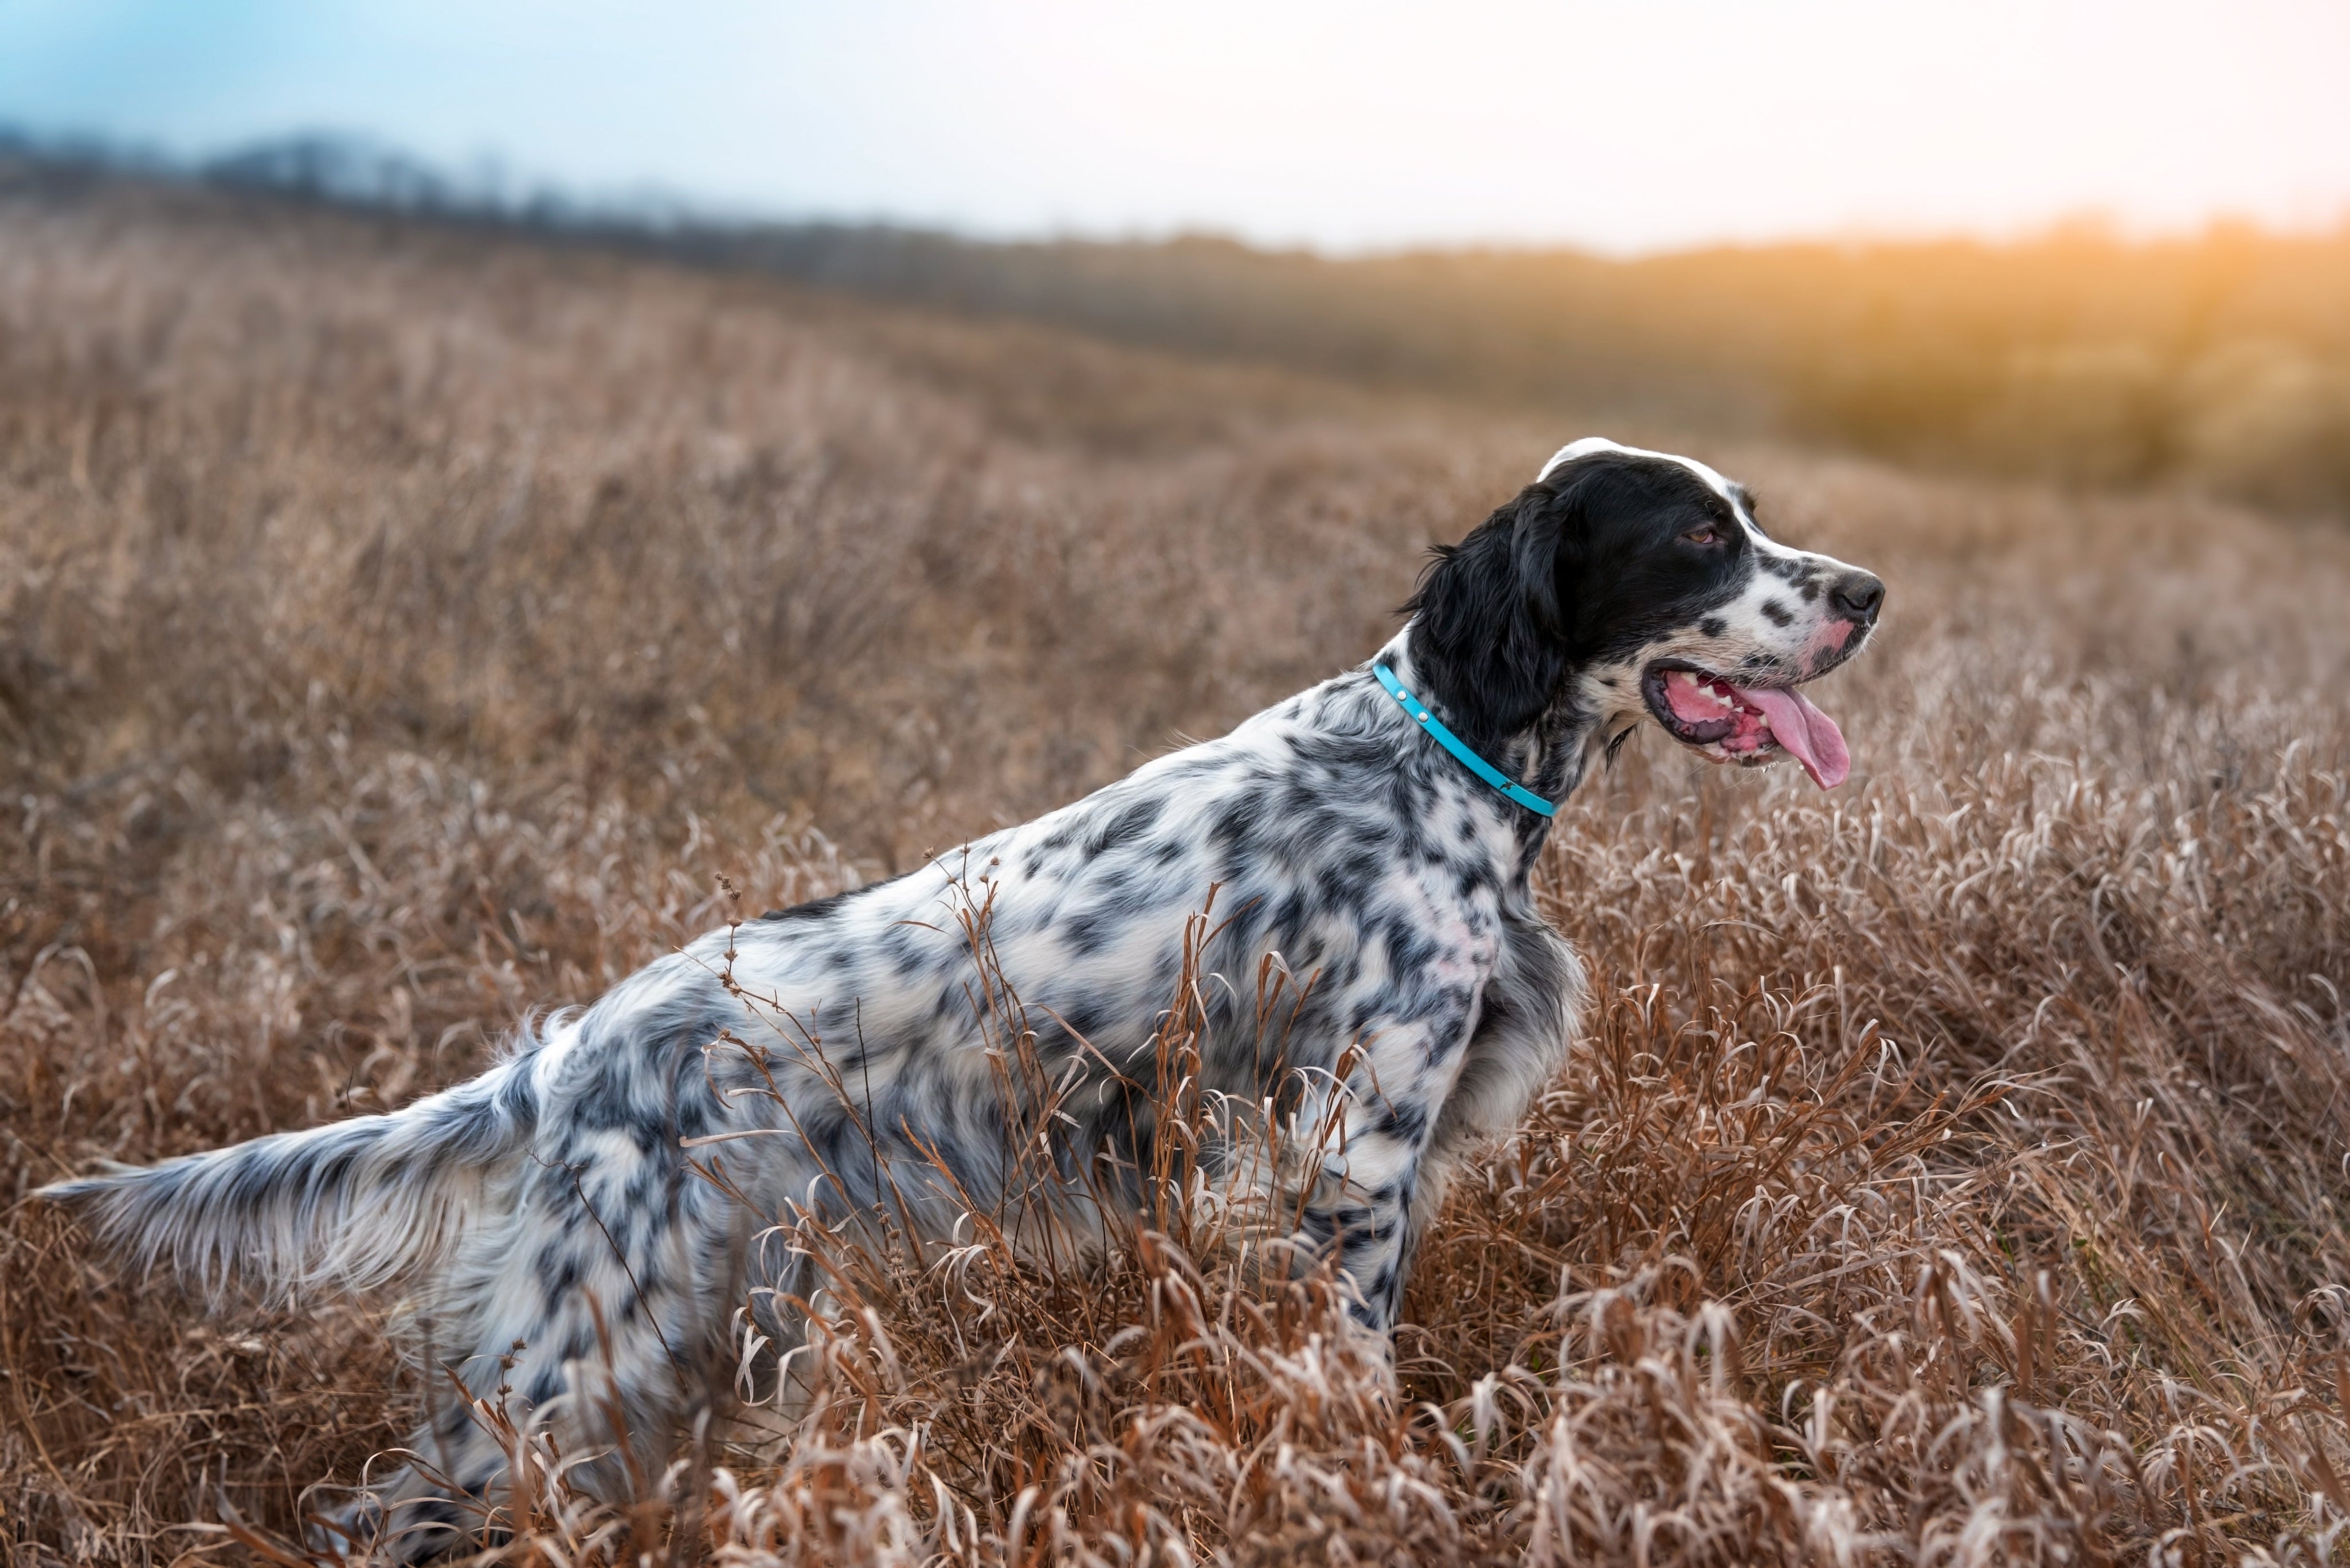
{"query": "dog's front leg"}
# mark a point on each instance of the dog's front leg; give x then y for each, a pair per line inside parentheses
(1360, 1210)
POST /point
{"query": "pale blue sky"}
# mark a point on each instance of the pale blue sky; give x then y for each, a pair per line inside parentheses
(1627, 125)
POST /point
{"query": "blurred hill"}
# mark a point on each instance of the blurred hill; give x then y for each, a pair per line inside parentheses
(2221, 362)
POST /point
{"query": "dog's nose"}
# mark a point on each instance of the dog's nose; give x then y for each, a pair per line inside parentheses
(1858, 595)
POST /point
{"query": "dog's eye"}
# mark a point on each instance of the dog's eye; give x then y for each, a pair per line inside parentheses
(1701, 535)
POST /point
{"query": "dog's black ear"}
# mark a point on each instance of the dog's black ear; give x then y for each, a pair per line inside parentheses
(1492, 633)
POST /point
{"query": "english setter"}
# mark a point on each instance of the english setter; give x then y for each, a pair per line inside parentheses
(1375, 833)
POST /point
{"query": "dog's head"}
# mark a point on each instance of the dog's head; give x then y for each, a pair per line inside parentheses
(1632, 585)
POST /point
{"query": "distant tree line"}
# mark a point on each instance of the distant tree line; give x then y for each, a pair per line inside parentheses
(2221, 360)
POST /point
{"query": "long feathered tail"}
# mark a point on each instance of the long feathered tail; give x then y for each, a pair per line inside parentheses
(358, 1203)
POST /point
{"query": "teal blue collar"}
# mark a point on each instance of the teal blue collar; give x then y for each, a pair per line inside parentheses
(1453, 744)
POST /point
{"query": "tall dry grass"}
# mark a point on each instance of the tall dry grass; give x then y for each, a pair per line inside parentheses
(405, 631)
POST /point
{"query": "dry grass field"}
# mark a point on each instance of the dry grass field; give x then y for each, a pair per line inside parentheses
(404, 630)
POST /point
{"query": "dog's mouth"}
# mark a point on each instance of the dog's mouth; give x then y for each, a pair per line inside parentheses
(1727, 723)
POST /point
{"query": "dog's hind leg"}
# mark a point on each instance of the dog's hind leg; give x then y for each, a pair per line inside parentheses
(410, 1515)
(618, 1320)
(592, 1315)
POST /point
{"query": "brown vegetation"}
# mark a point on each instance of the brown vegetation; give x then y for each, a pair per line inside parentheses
(405, 631)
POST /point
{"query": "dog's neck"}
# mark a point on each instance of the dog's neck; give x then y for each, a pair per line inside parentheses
(1547, 749)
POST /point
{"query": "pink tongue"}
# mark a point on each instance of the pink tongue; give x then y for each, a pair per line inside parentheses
(1810, 736)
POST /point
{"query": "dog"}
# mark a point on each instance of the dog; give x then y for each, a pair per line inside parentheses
(585, 1201)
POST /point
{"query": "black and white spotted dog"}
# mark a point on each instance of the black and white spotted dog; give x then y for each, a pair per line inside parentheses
(544, 1214)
